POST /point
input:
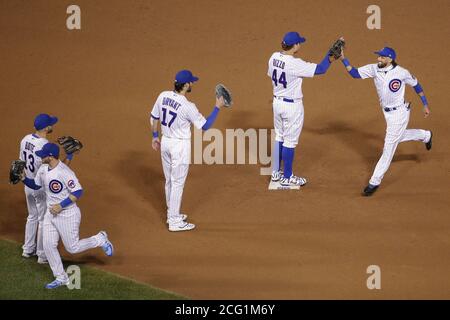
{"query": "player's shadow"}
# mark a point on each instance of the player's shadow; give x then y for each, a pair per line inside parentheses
(85, 259)
(367, 145)
(146, 180)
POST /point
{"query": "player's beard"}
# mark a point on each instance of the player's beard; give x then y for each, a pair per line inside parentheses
(189, 89)
(50, 130)
(46, 160)
(382, 65)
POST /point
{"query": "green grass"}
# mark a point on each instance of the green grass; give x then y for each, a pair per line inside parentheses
(24, 279)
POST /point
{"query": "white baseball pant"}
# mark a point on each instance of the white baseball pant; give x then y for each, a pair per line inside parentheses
(288, 121)
(35, 221)
(66, 225)
(175, 156)
(396, 132)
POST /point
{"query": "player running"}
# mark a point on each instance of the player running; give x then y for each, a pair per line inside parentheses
(287, 73)
(43, 125)
(390, 80)
(176, 114)
(62, 217)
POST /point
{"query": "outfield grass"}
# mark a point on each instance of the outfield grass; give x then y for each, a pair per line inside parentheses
(24, 279)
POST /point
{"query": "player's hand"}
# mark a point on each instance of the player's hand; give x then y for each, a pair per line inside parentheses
(55, 209)
(426, 111)
(342, 57)
(220, 102)
(156, 144)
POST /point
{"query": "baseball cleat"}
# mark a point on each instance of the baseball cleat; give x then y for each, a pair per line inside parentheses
(276, 176)
(369, 190)
(56, 284)
(28, 254)
(428, 145)
(42, 260)
(183, 217)
(182, 227)
(293, 181)
(107, 247)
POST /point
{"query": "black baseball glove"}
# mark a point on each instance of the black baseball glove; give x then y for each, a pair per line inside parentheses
(16, 170)
(336, 48)
(222, 91)
(70, 144)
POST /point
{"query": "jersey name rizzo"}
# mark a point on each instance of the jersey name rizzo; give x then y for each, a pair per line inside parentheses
(287, 73)
(390, 83)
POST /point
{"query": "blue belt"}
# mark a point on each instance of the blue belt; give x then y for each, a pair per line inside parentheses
(395, 108)
(286, 99)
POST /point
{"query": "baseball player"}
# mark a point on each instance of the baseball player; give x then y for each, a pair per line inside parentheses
(390, 80)
(287, 73)
(62, 217)
(176, 114)
(43, 124)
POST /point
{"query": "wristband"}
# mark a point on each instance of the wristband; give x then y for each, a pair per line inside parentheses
(66, 202)
(69, 156)
(424, 100)
(155, 134)
(346, 62)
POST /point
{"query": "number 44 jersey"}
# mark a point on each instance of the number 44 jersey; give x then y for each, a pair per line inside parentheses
(28, 147)
(287, 72)
(176, 114)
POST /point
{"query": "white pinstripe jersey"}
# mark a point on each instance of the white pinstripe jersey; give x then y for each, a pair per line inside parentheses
(177, 114)
(390, 83)
(57, 183)
(28, 147)
(287, 73)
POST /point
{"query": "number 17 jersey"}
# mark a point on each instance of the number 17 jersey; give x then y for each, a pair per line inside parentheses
(287, 73)
(176, 114)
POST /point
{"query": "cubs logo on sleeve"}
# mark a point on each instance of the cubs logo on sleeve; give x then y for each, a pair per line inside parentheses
(55, 186)
(395, 85)
(71, 184)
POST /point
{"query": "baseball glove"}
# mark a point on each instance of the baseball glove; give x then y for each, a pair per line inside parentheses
(336, 48)
(16, 170)
(70, 144)
(222, 91)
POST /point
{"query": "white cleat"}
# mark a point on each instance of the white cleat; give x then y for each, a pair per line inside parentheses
(183, 217)
(184, 226)
(28, 254)
(293, 181)
(42, 260)
(276, 176)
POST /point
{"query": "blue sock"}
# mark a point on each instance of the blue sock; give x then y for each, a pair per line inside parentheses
(288, 159)
(277, 154)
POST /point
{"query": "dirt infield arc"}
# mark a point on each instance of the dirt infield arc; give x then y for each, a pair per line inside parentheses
(101, 82)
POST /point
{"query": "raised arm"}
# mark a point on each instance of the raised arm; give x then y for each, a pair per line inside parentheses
(351, 70)
(323, 66)
(213, 116)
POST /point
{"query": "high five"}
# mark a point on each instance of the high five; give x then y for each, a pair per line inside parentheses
(390, 80)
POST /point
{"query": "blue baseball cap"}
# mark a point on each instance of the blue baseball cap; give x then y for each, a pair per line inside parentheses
(292, 38)
(44, 120)
(49, 149)
(387, 52)
(185, 76)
